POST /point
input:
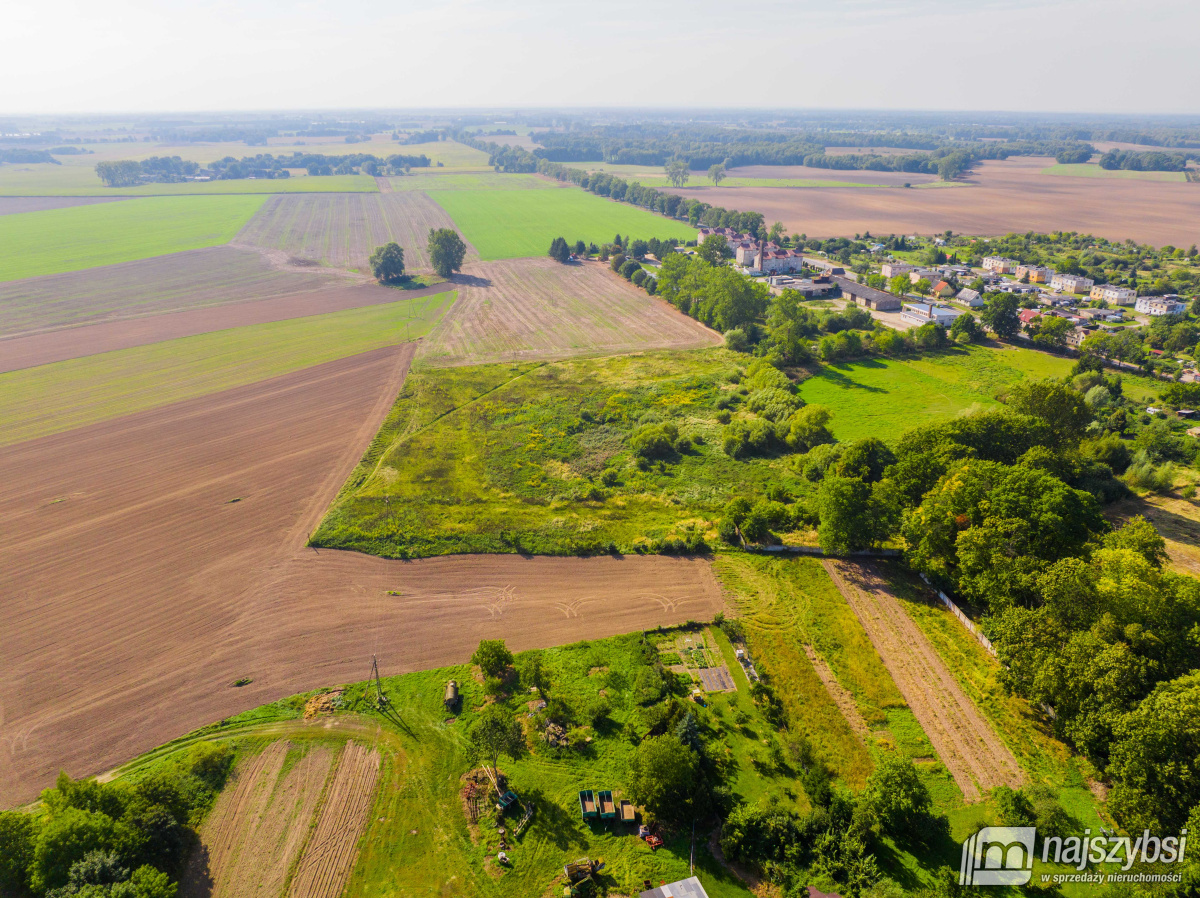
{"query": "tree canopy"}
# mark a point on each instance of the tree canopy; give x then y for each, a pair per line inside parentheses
(387, 263)
(446, 251)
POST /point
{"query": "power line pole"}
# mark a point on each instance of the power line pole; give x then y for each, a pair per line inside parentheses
(381, 700)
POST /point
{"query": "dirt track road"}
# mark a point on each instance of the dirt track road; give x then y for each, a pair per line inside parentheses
(135, 588)
(964, 740)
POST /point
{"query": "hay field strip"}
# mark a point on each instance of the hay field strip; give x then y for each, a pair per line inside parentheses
(59, 240)
(193, 279)
(663, 183)
(1087, 170)
(886, 397)
(511, 224)
(80, 179)
(539, 309)
(341, 231)
(35, 402)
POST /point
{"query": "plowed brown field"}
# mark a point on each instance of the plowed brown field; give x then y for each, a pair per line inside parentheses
(1002, 197)
(964, 740)
(537, 308)
(71, 343)
(151, 560)
(342, 230)
(191, 280)
(12, 205)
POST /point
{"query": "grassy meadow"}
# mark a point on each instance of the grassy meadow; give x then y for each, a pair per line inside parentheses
(511, 224)
(535, 458)
(52, 398)
(72, 239)
(436, 179)
(886, 397)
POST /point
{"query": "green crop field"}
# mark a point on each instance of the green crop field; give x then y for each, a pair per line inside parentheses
(662, 183)
(80, 179)
(58, 240)
(448, 152)
(886, 397)
(510, 224)
(52, 398)
(1087, 170)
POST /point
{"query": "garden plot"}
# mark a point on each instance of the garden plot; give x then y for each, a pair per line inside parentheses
(700, 659)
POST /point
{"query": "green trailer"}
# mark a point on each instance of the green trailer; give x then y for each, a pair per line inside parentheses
(608, 808)
(587, 804)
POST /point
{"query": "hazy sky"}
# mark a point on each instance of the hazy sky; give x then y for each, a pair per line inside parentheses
(1053, 55)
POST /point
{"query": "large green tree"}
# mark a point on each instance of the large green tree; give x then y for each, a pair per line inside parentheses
(663, 777)
(494, 733)
(387, 263)
(446, 251)
(677, 172)
(716, 174)
(1000, 315)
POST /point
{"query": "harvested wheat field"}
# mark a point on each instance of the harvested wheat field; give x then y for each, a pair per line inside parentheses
(195, 279)
(70, 343)
(539, 309)
(260, 824)
(965, 742)
(342, 230)
(999, 198)
(154, 559)
(333, 847)
(12, 205)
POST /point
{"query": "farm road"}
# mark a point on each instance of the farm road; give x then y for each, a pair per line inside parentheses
(964, 740)
(151, 560)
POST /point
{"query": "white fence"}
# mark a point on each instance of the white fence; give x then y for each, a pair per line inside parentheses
(957, 612)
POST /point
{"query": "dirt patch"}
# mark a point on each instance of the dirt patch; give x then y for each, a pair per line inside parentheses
(14, 205)
(963, 739)
(840, 695)
(341, 230)
(1002, 196)
(539, 309)
(330, 854)
(258, 827)
(197, 279)
(59, 345)
(135, 592)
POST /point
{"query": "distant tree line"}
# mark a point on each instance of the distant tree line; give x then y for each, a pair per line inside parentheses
(1124, 160)
(25, 156)
(173, 169)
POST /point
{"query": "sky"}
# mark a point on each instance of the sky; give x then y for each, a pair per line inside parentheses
(1097, 56)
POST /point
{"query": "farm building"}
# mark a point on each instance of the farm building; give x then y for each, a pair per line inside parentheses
(1121, 296)
(970, 298)
(868, 297)
(1071, 283)
(927, 312)
(685, 888)
(823, 265)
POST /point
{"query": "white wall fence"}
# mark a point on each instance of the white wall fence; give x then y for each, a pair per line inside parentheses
(957, 612)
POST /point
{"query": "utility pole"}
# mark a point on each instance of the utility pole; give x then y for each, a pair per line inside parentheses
(381, 700)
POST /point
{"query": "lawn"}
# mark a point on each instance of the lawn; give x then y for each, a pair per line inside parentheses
(886, 397)
(511, 224)
(80, 179)
(52, 398)
(1087, 170)
(58, 240)
(535, 458)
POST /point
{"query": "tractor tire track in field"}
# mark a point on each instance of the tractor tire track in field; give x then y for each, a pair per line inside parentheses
(839, 693)
(964, 740)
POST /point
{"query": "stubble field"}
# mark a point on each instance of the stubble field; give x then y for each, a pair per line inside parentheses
(539, 309)
(342, 231)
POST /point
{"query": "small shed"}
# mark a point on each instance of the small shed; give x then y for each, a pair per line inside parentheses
(450, 700)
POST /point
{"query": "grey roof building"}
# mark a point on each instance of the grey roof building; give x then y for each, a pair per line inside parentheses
(685, 888)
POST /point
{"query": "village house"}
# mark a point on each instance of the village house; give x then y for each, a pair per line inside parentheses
(1071, 283)
(1120, 296)
(1000, 265)
(1035, 274)
(1076, 336)
(1028, 315)
(924, 274)
(1159, 305)
(926, 312)
(868, 297)
(970, 298)
(730, 235)
(943, 290)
